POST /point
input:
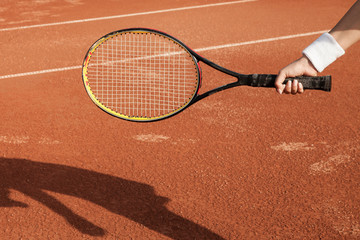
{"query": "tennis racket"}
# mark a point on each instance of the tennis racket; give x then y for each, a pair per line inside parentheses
(141, 74)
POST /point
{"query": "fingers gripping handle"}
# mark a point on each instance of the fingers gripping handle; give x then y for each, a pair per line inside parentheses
(268, 80)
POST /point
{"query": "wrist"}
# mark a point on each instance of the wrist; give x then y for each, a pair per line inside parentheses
(305, 61)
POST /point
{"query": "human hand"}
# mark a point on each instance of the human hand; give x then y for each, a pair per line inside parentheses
(300, 67)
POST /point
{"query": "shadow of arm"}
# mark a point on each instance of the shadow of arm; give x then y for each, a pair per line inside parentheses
(55, 205)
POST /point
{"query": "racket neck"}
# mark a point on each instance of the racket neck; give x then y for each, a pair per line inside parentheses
(220, 68)
(255, 80)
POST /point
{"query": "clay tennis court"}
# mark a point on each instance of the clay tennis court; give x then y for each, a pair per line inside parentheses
(244, 163)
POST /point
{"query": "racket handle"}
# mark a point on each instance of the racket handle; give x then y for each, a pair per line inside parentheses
(268, 80)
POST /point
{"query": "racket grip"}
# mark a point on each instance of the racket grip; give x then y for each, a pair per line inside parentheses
(268, 80)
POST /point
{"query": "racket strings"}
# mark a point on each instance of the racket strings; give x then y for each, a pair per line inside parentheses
(142, 75)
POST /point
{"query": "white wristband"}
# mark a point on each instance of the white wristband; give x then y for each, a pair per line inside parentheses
(323, 51)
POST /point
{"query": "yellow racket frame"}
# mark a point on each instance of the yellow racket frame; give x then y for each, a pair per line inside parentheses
(123, 116)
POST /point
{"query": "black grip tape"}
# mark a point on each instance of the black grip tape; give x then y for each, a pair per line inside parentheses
(268, 80)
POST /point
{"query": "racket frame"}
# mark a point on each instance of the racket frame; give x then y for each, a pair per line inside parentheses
(108, 110)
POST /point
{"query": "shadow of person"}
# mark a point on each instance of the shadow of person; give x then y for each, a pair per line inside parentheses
(135, 201)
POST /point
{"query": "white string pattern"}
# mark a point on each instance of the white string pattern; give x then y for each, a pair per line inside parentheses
(142, 75)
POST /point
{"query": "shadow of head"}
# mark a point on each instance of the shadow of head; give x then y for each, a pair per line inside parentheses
(136, 201)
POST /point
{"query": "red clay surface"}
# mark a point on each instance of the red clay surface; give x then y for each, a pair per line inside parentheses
(244, 163)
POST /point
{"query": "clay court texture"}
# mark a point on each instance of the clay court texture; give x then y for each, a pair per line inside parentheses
(244, 163)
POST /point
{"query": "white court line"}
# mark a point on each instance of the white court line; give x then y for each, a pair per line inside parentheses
(40, 72)
(125, 15)
(196, 50)
(260, 41)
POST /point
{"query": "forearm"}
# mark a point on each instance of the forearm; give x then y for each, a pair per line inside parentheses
(347, 31)
(323, 51)
(330, 46)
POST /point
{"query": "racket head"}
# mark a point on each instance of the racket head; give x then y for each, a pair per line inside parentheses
(141, 74)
